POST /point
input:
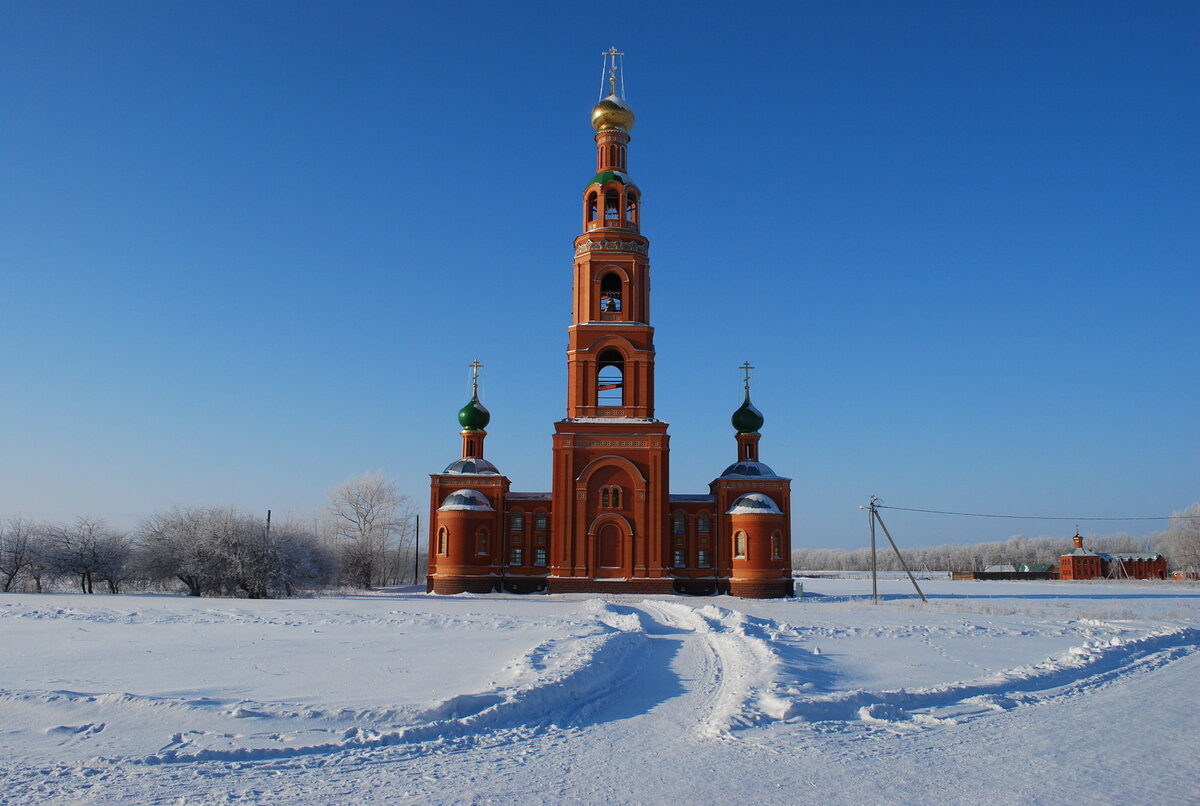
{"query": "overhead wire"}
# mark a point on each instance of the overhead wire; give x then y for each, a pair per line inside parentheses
(1035, 517)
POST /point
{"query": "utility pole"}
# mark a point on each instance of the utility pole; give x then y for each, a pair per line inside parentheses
(873, 506)
(417, 551)
(874, 564)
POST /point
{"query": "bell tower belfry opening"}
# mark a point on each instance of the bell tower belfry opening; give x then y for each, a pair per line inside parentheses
(609, 522)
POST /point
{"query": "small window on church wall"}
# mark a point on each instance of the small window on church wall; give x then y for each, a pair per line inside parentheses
(592, 210)
(702, 522)
(610, 379)
(539, 522)
(739, 545)
(612, 208)
(481, 541)
(678, 559)
(517, 557)
(539, 557)
(632, 204)
(679, 523)
(443, 544)
(702, 558)
(518, 521)
(777, 546)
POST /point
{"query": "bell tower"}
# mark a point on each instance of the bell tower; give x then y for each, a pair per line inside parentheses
(610, 454)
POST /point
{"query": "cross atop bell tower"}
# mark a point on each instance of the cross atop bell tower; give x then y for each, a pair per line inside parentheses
(611, 66)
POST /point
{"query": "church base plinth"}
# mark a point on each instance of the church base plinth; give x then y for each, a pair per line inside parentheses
(584, 585)
(697, 587)
(761, 588)
(448, 586)
(524, 585)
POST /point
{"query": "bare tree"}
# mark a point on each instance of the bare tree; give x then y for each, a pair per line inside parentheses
(365, 513)
(90, 550)
(16, 549)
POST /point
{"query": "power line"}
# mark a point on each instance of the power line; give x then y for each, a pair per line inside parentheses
(1034, 517)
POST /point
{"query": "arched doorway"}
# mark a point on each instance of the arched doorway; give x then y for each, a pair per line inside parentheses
(611, 549)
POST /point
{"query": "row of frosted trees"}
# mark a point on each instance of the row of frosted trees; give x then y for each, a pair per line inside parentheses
(1179, 543)
(363, 538)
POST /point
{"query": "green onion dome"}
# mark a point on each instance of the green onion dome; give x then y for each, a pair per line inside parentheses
(474, 416)
(747, 419)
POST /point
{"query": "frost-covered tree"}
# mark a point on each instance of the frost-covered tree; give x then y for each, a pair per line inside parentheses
(365, 512)
(176, 545)
(17, 549)
(88, 550)
(222, 551)
(1181, 541)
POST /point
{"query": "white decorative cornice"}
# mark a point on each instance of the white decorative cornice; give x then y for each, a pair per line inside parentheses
(613, 246)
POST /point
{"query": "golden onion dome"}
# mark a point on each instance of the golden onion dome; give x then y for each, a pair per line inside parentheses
(612, 113)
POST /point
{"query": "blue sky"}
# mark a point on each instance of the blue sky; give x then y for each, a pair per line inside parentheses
(248, 249)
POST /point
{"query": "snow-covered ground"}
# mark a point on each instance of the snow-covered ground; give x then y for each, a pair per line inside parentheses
(994, 692)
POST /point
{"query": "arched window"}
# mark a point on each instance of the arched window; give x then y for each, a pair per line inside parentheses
(702, 523)
(539, 521)
(610, 379)
(481, 541)
(610, 293)
(631, 204)
(592, 208)
(739, 545)
(612, 206)
(777, 546)
(517, 521)
(443, 544)
(679, 523)
(610, 497)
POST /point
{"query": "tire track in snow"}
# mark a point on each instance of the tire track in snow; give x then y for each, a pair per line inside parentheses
(737, 684)
(1079, 668)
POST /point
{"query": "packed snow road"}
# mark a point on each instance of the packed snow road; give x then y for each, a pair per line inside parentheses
(994, 692)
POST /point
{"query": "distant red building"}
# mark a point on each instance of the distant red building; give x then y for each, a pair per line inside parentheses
(1084, 564)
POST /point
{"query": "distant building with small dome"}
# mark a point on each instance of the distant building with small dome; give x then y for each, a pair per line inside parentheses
(609, 522)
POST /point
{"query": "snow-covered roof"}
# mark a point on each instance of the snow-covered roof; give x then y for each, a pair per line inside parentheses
(748, 470)
(528, 496)
(682, 497)
(754, 503)
(471, 467)
(1002, 568)
(472, 500)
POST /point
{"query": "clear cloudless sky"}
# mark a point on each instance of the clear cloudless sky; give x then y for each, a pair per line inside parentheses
(247, 249)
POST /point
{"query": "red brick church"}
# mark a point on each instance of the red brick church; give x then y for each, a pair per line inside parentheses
(609, 522)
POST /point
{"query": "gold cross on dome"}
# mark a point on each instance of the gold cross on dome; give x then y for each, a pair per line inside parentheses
(746, 366)
(610, 57)
(475, 367)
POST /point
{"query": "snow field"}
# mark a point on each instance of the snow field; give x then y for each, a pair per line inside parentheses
(492, 699)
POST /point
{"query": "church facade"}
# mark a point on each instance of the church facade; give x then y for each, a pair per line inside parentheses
(609, 522)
